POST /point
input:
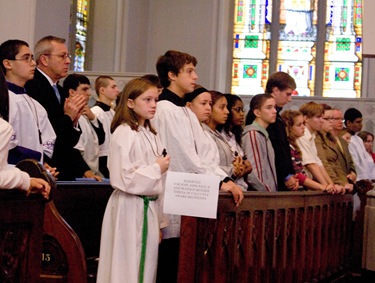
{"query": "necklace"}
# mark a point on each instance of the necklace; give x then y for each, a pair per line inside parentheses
(144, 136)
(35, 114)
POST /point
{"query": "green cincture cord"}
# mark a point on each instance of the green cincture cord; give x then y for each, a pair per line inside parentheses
(146, 201)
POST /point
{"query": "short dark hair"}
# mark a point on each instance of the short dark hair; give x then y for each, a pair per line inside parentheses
(9, 49)
(351, 114)
(281, 80)
(102, 81)
(73, 81)
(154, 79)
(256, 103)
(172, 61)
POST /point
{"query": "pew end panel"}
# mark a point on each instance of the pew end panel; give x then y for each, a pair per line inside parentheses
(21, 232)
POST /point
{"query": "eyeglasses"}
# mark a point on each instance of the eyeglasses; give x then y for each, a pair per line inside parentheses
(27, 57)
(62, 56)
(238, 109)
(338, 118)
(328, 118)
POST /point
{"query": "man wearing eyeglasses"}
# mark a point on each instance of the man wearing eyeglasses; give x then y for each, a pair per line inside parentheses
(52, 59)
(33, 135)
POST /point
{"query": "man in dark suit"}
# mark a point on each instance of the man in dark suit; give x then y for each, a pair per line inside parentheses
(53, 59)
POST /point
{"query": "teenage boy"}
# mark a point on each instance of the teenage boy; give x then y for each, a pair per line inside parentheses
(181, 134)
(313, 119)
(33, 132)
(363, 162)
(281, 86)
(85, 154)
(107, 91)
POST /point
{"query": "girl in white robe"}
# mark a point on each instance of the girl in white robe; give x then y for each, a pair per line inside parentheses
(133, 217)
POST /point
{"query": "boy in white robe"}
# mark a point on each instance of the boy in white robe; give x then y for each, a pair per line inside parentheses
(92, 130)
(181, 134)
(32, 129)
(107, 91)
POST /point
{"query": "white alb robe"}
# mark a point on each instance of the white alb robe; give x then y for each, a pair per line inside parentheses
(105, 117)
(186, 143)
(133, 170)
(88, 143)
(10, 176)
(27, 116)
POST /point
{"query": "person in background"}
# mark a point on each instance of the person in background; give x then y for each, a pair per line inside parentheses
(230, 160)
(53, 59)
(364, 164)
(130, 234)
(281, 86)
(200, 103)
(330, 154)
(107, 91)
(233, 128)
(368, 141)
(257, 145)
(313, 119)
(85, 154)
(295, 128)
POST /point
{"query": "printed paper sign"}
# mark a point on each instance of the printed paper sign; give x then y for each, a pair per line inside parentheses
(191, 194)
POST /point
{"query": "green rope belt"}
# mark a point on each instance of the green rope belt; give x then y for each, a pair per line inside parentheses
(146, 201)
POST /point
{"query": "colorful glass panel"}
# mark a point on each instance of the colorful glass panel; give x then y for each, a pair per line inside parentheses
(296, 52)
(251, 46)
(343, 49)
(81, 34)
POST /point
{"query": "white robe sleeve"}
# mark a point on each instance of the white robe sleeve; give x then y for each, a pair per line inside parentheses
(180, 132)
(10, 177)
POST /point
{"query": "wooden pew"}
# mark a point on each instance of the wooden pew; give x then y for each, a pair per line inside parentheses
(82, 206)
(271, 237)
(21, 232)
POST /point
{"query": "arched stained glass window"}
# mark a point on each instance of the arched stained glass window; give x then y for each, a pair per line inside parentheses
(82, 17)
(328, 53)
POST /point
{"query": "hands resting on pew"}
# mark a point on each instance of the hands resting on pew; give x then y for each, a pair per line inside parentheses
(39, 186)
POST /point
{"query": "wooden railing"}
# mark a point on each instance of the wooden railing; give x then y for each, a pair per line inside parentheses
(271, 237)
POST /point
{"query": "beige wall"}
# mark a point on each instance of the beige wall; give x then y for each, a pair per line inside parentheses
(129, 35)
(368, 30)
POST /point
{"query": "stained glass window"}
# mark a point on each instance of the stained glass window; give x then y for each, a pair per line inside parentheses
(297, 36)
(81, 34)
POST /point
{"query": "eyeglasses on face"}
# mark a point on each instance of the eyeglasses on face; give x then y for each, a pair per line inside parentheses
(62, 56)
(239, 109)
(328, 118)
(27, 57)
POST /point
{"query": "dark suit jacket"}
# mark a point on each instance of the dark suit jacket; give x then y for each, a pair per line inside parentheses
(69, 161)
